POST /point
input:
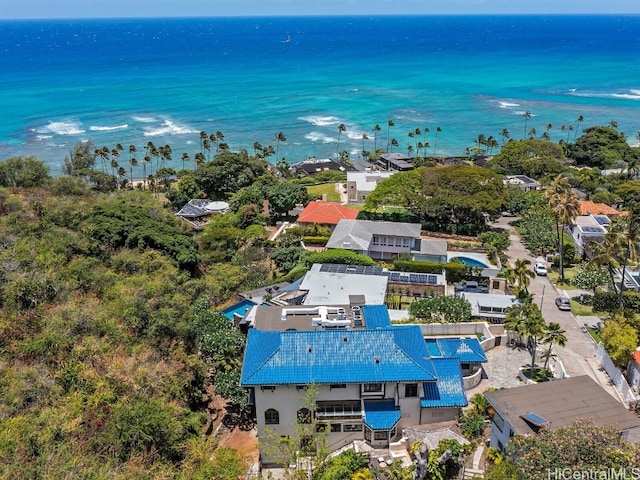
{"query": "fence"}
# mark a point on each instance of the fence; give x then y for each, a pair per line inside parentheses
(616, 376)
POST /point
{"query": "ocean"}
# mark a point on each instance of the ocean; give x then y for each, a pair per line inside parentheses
(131, 81)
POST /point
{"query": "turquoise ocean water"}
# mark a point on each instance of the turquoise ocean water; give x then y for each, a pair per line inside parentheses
(132, 81)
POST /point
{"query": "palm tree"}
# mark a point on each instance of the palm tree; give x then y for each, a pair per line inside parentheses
(257, 147)
(532, 133)
(393, 143)
(390, 124)
(562, 129)
(523, 274)
(279, 138)
(145, 160)
(579, 121)
(409, 150)
(341, 128)
(565, 207)
(435, 142)
(491, 143)
(364, 137)
(376, 129)
(553, 335)
(505, 135)
(610, 251)
(613, 124)
(219, 138)
(533, 327)
(185, 158)
(527, 116)
(198, 160)
(203, 137)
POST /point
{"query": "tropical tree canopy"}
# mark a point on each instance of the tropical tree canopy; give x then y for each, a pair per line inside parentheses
(444, 198)
(600, 147)
(532, 157)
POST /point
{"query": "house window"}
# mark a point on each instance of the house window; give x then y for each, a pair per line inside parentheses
(382, 435)
(496, 285)
(306, 444)
(321, 427)
(411, 390)
(498, 421)
(372, 388)
(337, 385)
(269, 388)
(304, 415)
(336, 428)
(271, 417)
(352, 427)
(399, 242)
(301, 387)
(367, 434)
(375, 241)
(437, 413)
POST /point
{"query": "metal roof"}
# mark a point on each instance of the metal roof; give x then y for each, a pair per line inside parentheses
(381, 415)
(396, 354)
(376, 316)
(448, 390)
(467, 350)
(358, 234)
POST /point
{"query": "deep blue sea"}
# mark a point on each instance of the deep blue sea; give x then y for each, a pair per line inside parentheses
(132, 81)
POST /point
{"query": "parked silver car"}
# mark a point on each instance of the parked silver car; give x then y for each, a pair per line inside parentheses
(563, 303)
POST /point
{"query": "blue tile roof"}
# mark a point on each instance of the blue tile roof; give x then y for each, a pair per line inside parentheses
(376, 316)
(465, 349)
(448, 391)
(381, 415)
(433, 347)
(396, 354)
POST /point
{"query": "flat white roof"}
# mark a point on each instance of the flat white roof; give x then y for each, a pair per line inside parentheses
(335, 288)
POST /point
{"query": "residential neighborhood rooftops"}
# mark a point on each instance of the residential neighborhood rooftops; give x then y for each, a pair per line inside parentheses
(329, 288)
(561, 403)
(358, 234)
(200, 207)
(396, 354)
(587, 207)
(326, 213)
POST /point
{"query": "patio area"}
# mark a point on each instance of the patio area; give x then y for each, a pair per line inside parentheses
(502, 368)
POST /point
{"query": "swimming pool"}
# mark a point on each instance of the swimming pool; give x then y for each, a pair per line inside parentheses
(472, 262)
(241, 308)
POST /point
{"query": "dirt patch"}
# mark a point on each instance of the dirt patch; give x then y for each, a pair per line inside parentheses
(245, 441)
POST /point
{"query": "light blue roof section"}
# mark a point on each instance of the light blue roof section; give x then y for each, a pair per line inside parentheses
(468, 350)
(336, 356)
(448, 391)
(376, 316)
(381, 415)
(433, 347)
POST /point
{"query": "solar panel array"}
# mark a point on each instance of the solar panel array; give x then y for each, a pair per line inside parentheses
(402, 277)
(602, 219)
(351, 269)
(593, 229)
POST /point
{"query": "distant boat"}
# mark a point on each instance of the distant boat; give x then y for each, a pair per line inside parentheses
(288, 40)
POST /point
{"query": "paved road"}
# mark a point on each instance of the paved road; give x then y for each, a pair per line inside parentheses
(578, 356)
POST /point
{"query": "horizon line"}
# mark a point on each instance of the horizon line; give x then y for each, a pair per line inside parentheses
(331, 15)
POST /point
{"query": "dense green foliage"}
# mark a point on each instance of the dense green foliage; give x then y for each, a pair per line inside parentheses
(104, 363)
(23, 172)
(338, 255)
(600, 147)
(580, 447)
(452, 199)
(532, 157)
(440, 309)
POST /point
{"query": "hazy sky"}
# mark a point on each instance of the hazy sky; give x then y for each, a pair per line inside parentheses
(205, 8)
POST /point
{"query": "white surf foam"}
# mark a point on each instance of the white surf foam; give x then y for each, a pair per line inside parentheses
(508, 104)
(168, 127)
(43, 137)
(69, 127)
(99, 128)
(144, 119)
(627, 96)
(320, 121)
(319, 137)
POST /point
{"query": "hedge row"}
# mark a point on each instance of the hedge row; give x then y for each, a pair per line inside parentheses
(608, 302)
(315, 240)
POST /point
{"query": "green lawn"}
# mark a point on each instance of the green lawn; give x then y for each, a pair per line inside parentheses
(326, 188)
(581, 310)
(594, 332)
(554, 276)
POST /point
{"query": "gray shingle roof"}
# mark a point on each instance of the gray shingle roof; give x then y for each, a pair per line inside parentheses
(359, 233)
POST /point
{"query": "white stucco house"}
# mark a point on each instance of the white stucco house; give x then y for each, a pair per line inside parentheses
(371, 381)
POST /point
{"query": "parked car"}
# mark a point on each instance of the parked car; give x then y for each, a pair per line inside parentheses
(540, 269)
(563, 303)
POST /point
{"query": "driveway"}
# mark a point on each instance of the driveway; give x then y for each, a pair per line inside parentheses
(579, 354)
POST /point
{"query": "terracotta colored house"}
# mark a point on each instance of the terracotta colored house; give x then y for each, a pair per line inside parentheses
(326, 214)
(587, 207)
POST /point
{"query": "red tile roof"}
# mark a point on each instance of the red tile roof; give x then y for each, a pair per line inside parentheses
(588, 207)
(636, 356)
(326, 213)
